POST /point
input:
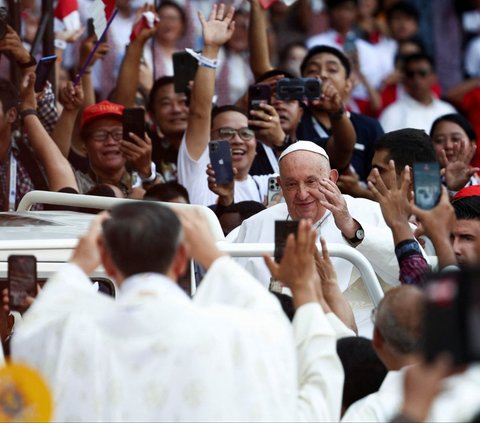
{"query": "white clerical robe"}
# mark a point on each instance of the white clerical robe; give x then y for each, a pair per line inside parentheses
(459, 400)
(378, 247)
(155, 355)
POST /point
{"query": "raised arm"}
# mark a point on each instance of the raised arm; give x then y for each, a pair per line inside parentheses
(216, 32)
(258, 40)
(71, 97)
(58, 169)
(128, 78)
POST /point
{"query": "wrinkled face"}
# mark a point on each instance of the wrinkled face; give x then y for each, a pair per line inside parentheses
(402, 26)
(300, 176)
(104, 155)
(327, 67)
(290, 113)
(419, 79)
(449, 136)
(170, 111)
(466, 241)
(243, 150)
(343, 16)
(170, 28)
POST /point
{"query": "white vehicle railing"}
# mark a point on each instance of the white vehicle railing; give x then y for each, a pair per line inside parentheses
(235, 250)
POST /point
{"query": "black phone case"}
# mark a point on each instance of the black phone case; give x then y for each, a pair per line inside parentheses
(283, 228)
(184, 69)
(221, 161)
(22, 278)
(133, 121)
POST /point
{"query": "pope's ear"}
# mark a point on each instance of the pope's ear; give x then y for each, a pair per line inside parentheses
(334, 175)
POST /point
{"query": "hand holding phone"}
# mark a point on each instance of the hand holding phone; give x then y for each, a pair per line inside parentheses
(258, 94)
(221, 161)
(22, 280)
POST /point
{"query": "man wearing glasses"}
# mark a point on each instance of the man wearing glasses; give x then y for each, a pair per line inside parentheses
(417, 107)
(102, 132)
(227, 123)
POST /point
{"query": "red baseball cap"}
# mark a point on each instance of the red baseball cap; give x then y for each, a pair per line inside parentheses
(471, 191)
(100, 110)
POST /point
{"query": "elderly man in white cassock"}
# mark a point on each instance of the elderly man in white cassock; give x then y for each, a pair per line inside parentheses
(309, 187)
(153, 354)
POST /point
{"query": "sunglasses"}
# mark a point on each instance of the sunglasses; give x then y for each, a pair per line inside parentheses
(420, 72)
(245, 133)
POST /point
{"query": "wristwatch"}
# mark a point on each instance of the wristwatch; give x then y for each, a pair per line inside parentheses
(359, 235)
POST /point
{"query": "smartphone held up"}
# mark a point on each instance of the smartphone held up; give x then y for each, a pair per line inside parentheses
(22, 280)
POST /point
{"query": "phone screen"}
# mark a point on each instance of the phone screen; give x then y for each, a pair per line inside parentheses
(42, 71)
(427, 184)
(133, 121)
(221, 161)
(283, 228)
(22, 279)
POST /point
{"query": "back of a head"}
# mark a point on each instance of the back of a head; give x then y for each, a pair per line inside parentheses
(399, 319)
(406, 147)
(167, 192)
(245, 209)
(142, 237)
(364, 372)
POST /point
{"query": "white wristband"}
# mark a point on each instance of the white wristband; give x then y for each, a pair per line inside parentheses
(153, 174)
(202, 60)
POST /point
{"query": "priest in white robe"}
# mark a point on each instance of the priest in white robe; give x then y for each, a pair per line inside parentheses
(154, 355)
(310, 191)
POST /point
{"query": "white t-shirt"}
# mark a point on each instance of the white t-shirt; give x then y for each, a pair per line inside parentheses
(192, 175)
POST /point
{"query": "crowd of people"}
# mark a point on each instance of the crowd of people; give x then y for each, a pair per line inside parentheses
(294, 339)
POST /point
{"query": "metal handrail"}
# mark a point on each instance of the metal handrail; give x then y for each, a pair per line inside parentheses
(367, 273)
(97, 202)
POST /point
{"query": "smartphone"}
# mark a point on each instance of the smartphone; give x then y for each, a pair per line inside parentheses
(452, 315)
(427, 184)
(283, 228)
(258, 94)
(274, 189)
(42, 72)
(184, 69)
(22, 279)
(221, 161)
(349, 46)
(133, 121)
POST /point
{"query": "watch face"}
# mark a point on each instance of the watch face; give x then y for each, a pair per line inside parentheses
(359, 234)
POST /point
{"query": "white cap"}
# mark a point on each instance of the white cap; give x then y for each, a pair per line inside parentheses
(306, 146)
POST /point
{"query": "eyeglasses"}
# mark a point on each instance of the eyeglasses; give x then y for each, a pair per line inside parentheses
(245, 133)
(420, 72)
(102, 135)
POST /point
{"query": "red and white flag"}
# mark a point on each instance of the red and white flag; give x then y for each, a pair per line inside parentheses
(267, 3)
(67, 12)
(101, 11)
